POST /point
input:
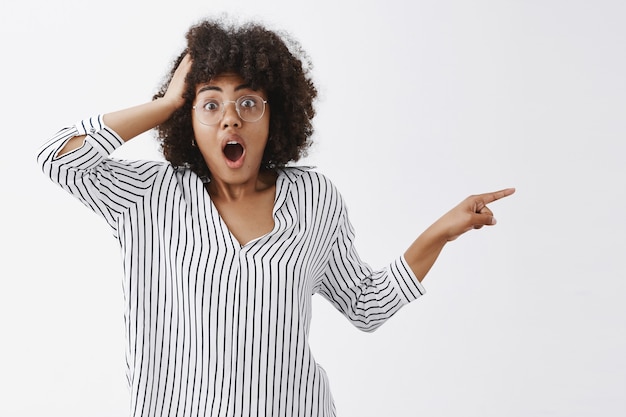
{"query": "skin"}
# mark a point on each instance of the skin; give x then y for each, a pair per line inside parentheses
(471, 213)
(244, 196)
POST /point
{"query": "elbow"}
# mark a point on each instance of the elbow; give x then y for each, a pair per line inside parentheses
(63, 142)
(369, 324)
(369, 329)
(44, 161)
(45, 156)
(368, 318)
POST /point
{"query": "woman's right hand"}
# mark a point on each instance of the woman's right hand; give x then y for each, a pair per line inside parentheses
(176, 88)
(133, 121)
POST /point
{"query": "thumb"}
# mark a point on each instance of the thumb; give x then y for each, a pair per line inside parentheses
(483, 219)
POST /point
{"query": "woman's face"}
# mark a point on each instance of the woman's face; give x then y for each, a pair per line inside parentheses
(232, 147)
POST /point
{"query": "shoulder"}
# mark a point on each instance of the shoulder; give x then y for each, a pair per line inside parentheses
(307, 177)
(297, 174)
(311, 184)
(142, 170)
(138, 166)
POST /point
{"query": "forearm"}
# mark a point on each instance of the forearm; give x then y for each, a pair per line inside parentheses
(130, 122)
(471, 213)
(425, 250)
(134, 121)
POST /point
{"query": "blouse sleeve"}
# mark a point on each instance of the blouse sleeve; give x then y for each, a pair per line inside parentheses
(106, 186)
(366, 297)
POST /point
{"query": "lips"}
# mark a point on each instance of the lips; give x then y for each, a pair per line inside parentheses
(233, 151)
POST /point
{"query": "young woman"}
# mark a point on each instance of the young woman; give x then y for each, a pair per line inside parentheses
(225, 244)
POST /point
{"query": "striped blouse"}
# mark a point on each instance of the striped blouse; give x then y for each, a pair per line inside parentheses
(214, 328)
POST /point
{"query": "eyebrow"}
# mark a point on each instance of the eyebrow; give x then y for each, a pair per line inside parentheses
(215, 88)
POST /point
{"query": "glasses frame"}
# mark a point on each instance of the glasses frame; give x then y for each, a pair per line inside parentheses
(198, 110)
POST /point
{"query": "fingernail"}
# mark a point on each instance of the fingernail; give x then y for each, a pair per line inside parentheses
(493, 220)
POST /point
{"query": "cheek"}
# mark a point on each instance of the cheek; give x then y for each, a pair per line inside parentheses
(266, 128)
(203, 133)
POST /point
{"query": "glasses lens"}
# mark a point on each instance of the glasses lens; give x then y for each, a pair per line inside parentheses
(251, 108)
(209, 111)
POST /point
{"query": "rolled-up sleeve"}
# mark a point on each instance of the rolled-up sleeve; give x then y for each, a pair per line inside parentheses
(366, 297)
(107, 186)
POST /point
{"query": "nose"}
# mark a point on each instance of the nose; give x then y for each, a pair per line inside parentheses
(230, 117)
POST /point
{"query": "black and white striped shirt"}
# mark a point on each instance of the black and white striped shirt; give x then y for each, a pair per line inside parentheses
(214, 328)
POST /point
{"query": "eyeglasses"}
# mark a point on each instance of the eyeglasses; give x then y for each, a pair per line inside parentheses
(210, 111)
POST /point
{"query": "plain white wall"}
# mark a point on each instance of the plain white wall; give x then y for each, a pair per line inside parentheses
(421, 103)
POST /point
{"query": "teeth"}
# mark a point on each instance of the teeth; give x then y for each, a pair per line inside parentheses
(232, 142)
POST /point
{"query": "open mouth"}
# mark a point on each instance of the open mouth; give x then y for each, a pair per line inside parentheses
(233, 151)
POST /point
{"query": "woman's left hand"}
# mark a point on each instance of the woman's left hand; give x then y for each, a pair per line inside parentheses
(471, 213)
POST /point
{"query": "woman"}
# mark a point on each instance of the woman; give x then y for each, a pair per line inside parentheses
(224, 245)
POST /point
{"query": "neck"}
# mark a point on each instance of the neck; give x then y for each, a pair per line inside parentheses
(222, 190)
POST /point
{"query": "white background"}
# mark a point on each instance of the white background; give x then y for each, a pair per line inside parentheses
(421, 103)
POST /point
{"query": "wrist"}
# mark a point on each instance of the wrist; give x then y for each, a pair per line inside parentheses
(170, 105)
(437, 233)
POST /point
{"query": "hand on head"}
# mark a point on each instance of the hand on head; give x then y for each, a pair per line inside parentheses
(176, 87)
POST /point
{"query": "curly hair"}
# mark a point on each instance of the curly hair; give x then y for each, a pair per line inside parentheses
(265, 60)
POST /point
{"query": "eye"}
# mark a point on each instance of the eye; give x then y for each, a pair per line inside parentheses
(210, 106)
(248, 102)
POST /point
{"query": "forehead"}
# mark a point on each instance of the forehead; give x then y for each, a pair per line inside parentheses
(226, 82)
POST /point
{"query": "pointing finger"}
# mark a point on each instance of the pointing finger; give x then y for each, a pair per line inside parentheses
(497, 195)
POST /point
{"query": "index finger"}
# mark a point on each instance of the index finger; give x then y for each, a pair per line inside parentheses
(496, 195)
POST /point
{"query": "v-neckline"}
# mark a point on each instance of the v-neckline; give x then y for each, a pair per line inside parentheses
(278, 200)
